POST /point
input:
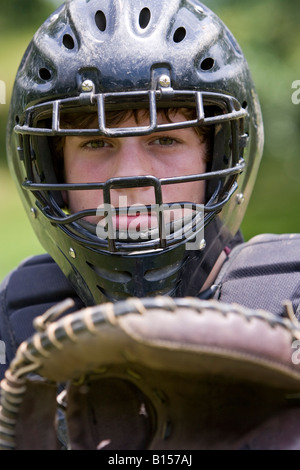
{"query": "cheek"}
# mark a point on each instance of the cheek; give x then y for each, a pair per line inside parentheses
(78, 171)
(78, 166)
(81, 200)
(190, 163)
(187, 192)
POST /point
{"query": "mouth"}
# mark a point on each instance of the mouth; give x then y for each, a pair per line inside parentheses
(126, 224)
(133, 220)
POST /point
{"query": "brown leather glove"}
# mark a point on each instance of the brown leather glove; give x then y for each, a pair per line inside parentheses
(156, 373)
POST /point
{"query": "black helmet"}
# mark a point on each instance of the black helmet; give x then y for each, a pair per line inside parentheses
(101, 55)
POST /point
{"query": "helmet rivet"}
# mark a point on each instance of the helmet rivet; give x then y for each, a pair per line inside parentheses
(202, 244)
(164, 81)
(199, 9)
(33, 213)
(72, 253)
(240, 198)
(87, 86)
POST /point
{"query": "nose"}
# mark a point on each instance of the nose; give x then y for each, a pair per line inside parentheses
(131, 159)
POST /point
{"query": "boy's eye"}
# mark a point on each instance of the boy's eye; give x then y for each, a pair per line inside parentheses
(95, 144)
(165, 141)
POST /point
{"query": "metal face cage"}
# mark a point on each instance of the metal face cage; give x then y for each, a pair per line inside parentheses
(32, 123)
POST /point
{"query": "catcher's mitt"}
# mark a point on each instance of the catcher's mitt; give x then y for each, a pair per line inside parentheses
(155, 373)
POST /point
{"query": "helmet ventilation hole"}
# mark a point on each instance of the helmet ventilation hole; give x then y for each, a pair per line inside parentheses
(44, 74)
(68, 41)
(207, 64)
(100, 20)
(179, 34)
(144, 18)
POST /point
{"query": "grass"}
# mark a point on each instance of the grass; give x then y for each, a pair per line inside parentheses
(17, 239)
(274, 206)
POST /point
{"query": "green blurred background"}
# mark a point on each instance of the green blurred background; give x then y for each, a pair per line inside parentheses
(268, 32)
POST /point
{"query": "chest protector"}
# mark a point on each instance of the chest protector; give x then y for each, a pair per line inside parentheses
(263, 273)
(35, 286)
